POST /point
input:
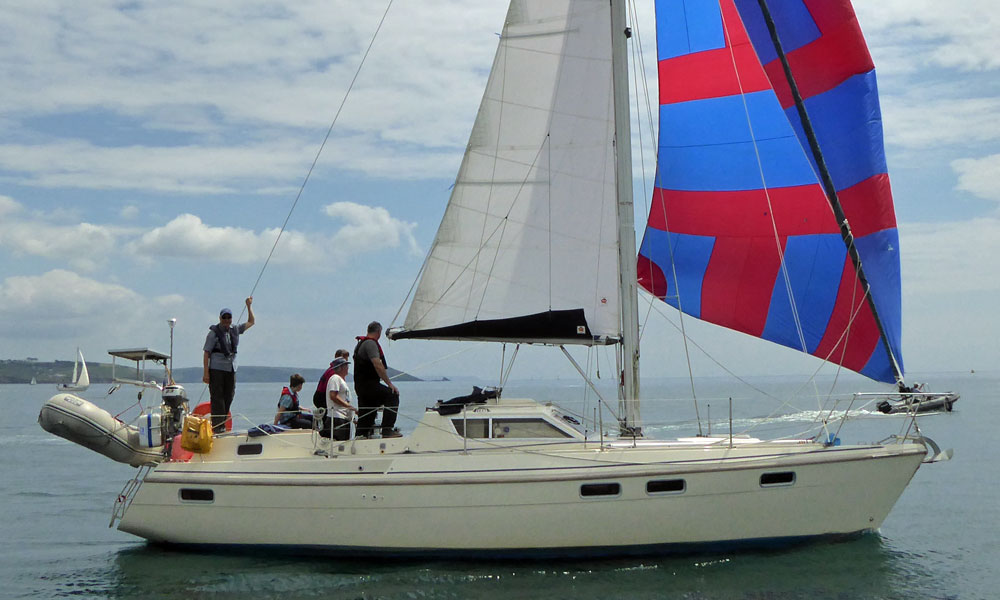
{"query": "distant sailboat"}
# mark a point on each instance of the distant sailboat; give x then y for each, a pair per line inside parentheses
(33, 382)
(81, 378)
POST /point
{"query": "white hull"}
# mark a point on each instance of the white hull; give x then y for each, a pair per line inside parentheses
(516, 501)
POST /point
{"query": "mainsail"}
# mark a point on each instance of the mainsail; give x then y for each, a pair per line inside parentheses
(527, 249)
(738, 217)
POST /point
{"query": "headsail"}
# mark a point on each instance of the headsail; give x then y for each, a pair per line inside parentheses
(738, 213)
(527, 248)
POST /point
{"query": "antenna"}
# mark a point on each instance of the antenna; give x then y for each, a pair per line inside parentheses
(171, 322)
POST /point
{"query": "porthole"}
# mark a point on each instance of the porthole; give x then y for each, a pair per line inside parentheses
(666, 486)
(197, 495)
(592, 490)
(777, 479)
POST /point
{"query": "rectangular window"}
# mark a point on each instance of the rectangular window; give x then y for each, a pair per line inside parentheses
(665, 486)
(249, 449)
(590, 490)
(777, 479)
(526, 428)
(197, 495)
(477, 427)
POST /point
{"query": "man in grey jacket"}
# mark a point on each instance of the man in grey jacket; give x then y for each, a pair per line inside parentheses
(220, 370)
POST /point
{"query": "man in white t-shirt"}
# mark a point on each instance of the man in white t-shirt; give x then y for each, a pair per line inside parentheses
(339, 400)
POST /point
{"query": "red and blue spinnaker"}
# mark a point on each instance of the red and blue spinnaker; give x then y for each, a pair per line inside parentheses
(740, 231)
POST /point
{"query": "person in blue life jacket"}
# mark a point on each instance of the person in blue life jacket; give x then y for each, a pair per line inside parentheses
(290, 414)
(219, 362)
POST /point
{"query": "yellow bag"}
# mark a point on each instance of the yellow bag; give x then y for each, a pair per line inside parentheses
(197, 434)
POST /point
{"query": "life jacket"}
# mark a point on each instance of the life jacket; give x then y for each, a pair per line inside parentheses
(225, 341)
(319, 396)
(293, 409)
(364, 370)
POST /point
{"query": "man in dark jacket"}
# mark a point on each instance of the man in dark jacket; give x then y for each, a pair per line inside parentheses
(369, 373)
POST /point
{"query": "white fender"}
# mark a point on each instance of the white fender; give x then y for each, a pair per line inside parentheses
(84, 423)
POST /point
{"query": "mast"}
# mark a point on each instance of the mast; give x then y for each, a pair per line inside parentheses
(829, 189)
(628, 388)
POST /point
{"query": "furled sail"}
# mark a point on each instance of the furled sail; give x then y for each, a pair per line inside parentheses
(527, 248)
(738, 216)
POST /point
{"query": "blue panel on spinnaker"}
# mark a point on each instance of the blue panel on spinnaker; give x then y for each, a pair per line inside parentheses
(688, 26)
(814, 264)
(845, 119)
(691, 255)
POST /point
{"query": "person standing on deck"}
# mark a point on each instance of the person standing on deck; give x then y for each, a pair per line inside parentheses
(369, 373)
(220, 370)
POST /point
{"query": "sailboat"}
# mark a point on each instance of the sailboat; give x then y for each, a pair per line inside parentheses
(81, 378)
(537, 246)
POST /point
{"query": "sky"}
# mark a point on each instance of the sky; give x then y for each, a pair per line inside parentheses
(150, 152)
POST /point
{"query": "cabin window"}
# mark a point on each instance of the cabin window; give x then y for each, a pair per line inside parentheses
(197, 495)
(526, 428)
(592, 490)
(477, 427)
(666, 486)
(249, 449)
(777, 479)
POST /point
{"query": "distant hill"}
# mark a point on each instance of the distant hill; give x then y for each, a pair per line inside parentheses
(61, 371)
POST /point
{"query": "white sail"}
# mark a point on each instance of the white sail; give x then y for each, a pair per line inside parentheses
(527, 248)
(81, 377)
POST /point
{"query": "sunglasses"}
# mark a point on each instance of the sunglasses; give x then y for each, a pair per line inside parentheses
(226, 317)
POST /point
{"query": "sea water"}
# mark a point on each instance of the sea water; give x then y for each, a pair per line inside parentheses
(942, 540)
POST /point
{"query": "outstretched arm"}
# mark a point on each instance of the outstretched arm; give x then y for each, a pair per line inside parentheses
(250, 318)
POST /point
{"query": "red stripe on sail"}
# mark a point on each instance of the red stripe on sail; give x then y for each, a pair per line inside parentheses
(651, 277)
(863, 336)
(823, 64)
(710, 74)
(868, 205)
(800, 210)
(739, 281)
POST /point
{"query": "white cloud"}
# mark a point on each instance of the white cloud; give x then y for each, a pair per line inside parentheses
(186, 236)
(9, 206)
(369, 226)
(951, 258)
(979, 176)
(61, 302)
(129, 212)
(934, 33)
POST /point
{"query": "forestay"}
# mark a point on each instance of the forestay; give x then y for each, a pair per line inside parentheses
(527, 248)
(738, 213)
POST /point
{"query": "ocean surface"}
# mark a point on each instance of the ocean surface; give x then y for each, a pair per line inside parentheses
(942, 540)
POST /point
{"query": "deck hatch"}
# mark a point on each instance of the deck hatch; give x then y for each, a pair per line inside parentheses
(249, 449)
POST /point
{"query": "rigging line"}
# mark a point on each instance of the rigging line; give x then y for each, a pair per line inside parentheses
(653, 140)
(302, 187)
(767, 195)
(638, 67)
(504, 221)
(590, 383)
(658, 190)
(501, 55)
(708, 355)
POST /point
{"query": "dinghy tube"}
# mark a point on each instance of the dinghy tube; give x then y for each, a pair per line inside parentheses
(84, 423)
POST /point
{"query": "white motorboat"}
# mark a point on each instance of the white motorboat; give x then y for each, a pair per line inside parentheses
(537, 246)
